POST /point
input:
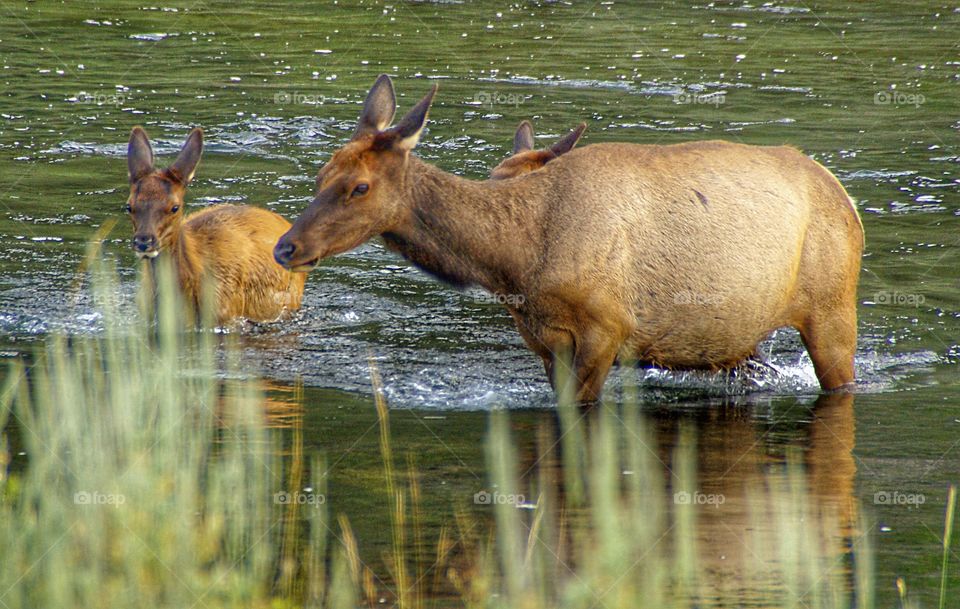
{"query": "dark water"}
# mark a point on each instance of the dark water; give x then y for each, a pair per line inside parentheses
(868, 89)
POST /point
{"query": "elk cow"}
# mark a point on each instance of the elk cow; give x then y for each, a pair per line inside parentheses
(681, 256)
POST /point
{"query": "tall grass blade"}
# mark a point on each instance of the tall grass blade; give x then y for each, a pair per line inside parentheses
(947, 535)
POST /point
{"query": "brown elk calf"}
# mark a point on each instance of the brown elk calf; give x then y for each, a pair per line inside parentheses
(683, 256)
(230, 245)
(525, 159)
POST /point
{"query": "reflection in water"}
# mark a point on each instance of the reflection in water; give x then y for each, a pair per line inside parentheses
(830, 460)
(280, 405)
(283, 405)
(735, 461)
(739, 493)
(773, 492)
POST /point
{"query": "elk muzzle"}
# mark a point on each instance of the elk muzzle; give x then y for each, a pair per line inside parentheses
(145, 245)
(285, 253)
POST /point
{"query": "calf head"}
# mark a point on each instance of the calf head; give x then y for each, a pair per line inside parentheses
(525, 159)
(155, 204)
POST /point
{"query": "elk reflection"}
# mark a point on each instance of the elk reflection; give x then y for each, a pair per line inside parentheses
(769, 486)
(279, 405)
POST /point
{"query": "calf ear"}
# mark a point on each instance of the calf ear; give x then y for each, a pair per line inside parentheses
(378, 109)
(405, 135)
(139, 155)
(184, 167)
(523, 138)
(567, 142)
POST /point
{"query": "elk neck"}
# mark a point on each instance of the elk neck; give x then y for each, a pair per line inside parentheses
(187, 264)
(468, 232)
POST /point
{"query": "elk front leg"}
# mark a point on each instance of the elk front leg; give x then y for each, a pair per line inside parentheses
(558, 357)
(595, 353)
(584, 360)
(532, 335)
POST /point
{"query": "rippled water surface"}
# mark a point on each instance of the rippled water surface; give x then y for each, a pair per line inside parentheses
(868, 89)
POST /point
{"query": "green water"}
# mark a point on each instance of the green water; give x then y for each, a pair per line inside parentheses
(868, 89)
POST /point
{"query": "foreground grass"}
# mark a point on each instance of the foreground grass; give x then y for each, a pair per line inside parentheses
(155, 481)
(150, 482)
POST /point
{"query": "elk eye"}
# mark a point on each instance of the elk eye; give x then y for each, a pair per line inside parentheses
(127, 208)
(174, 209)
(359, 190)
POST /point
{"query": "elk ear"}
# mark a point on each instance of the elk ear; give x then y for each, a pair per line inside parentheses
(378, 109)
(567, 142)
(523, 138)
(405, 134)
(139, 155)
(184, 167)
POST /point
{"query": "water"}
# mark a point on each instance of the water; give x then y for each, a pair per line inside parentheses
(870, 91)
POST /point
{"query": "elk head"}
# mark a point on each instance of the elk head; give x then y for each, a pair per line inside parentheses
(360, 191)
(525, 159)
(155, 204)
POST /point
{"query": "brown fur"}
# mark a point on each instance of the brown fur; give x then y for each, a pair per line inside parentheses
(682, 256)
(230, 245)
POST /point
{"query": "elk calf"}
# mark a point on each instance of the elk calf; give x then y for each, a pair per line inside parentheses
(525, 159)
(230, 245)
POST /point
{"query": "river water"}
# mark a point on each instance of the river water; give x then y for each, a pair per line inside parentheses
(868, 89)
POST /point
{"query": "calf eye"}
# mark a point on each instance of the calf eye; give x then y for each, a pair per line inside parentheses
(174, 209)
(359, 190)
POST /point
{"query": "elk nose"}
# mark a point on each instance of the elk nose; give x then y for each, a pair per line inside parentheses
(283, 252)
(144, 243)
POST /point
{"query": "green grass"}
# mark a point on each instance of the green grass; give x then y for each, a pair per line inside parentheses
(151, 481)
(153, 474)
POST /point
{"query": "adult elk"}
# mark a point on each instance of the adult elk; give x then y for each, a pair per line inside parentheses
(229, 245)
(682, 256)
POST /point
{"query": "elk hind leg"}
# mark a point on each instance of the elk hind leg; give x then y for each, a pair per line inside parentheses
(831, 340)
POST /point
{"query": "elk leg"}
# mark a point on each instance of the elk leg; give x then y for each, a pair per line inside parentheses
(595, 354)
(591, 357)
(524, 327)
(558, 355)
(536, 343)
(831, 340)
